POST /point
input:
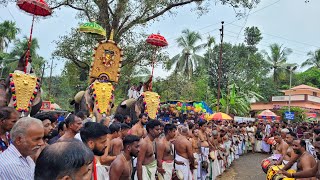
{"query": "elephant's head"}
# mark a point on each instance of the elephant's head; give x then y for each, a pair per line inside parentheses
(99, 99)
(24, 93)
(151, 101)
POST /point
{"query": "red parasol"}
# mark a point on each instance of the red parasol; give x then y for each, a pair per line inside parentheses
(158, 41)
(36, 8)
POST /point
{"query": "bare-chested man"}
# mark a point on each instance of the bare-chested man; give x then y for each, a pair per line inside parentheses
(116, 144)
(121, 168)
(281, 148)
(184, 154)
(164, 153)
(138, 129)
(305, 161)
(290, 157)
(195, 149)
(73, 124)
(204, 150)
(108, 157)
(314, 171)
(146, 162)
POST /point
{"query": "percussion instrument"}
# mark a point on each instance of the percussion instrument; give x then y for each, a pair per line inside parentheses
(265, 164)
(272, 173)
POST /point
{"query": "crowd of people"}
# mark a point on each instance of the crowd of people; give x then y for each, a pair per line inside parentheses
(44, 148)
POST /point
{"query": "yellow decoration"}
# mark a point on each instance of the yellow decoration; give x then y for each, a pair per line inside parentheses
(274, 169)
(107, 60)
(23, 87)
(111, 35)
(152, 101)
(102, 93)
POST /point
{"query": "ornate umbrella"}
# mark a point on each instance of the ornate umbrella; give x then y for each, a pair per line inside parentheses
(267, 114)
(157, 41)
(36, 8)
(221, 116)
(93, 28)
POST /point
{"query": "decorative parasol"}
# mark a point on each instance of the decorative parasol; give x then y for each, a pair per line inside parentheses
(267, 114)
(36, 8)
(221, 116)
(157, 41)
(93, 28)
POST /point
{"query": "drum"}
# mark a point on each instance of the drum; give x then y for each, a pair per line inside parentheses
(265, 165)
(281, 177)
(272, 171)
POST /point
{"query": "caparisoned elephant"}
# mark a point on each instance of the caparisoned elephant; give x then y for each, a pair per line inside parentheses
(147, 103)
(96, 100)
(131, 107)
(22, 90)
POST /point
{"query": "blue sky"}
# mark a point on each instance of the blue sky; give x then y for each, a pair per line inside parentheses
(292, 23)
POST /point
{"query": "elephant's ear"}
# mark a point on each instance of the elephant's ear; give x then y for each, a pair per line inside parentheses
(140, 105)
(137, 109)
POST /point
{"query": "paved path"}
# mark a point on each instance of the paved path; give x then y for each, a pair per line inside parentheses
(246, 168)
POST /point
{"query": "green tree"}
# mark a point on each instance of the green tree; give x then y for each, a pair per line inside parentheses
(277, 60)
(188, 59)
(20, 47)
(313, 60)
(310, 77)
(299, 113)
(124, 15)
(8, 33)
(252, 37)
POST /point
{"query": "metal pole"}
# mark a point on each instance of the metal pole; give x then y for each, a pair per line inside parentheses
(290, 89)
(51, 67)
(219, 68)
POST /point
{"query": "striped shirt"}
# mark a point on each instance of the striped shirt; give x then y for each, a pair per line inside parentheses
(13, 166)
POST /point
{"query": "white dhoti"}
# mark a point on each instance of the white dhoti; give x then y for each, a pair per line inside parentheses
(215, 167)
(185, 169)
(102, 171)
(258, 146)
(195, 171)
(148, 171)
(202, 173)
(294, 166)
(168, 167)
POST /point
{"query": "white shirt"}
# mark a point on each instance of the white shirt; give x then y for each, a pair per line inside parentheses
(13, 166)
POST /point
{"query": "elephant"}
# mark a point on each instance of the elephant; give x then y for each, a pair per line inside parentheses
(132, 108)
(84, 101)
(6, 91)
(89, 100)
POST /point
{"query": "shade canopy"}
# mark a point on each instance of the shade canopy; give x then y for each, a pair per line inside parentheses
(93, 28)
(157, 40)
(35, 7)
(221, 116)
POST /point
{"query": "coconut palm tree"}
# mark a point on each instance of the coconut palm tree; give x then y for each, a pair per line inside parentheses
(8, 32)
(277, 59)
(313, 60)
(20, 47)
(188, 59)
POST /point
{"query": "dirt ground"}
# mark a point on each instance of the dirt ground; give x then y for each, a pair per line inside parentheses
(246, 168)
